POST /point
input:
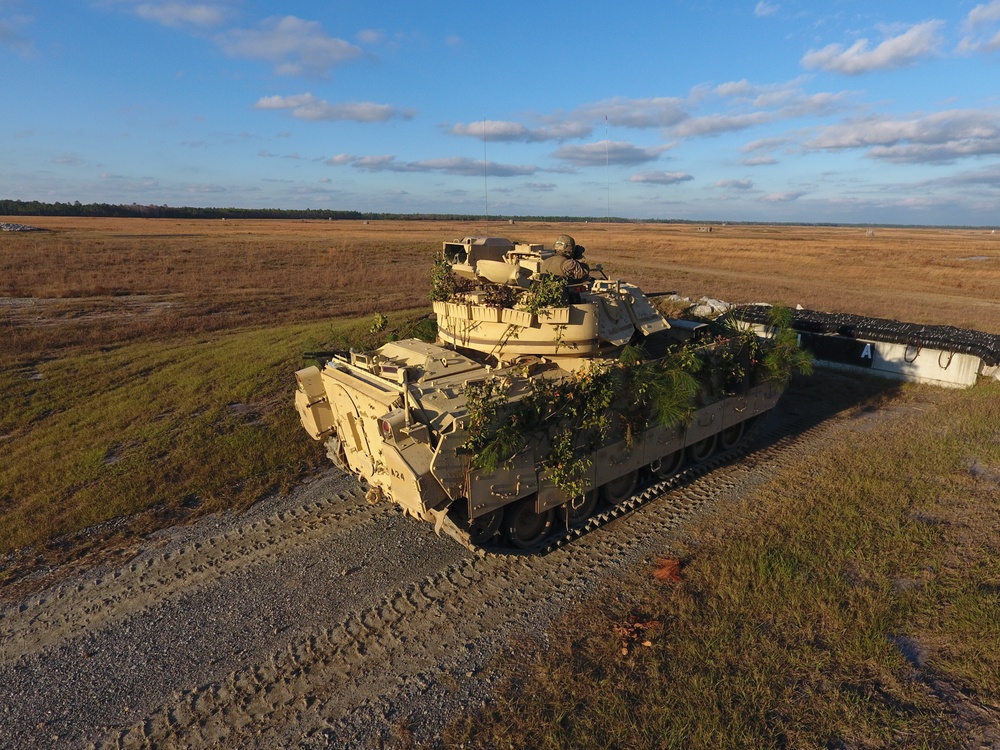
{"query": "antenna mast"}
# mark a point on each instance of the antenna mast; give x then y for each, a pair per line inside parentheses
(486, 185)
(607, 165)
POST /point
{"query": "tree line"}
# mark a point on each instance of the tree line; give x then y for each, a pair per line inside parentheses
(76, 208)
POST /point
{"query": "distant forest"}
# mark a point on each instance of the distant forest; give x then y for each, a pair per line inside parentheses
(38, 208)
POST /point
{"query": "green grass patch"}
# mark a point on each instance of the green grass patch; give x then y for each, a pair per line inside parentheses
(197, 422)
(832, 608)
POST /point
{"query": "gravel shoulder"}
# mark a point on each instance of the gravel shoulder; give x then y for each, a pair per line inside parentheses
(316, 620)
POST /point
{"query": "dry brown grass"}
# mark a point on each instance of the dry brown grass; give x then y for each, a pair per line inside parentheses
(916, 275)
(128, 431)
(101, 281)
(849, 602)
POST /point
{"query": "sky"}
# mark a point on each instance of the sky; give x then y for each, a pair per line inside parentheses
(843, 111)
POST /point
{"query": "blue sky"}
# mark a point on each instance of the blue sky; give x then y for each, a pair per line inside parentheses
(777, 110)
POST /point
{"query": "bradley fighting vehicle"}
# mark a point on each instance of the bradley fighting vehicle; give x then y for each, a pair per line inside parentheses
(548, 397)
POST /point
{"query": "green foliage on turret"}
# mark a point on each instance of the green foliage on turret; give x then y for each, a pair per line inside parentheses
(564, 418)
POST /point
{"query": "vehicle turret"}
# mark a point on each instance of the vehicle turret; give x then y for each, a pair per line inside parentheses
(512, 307)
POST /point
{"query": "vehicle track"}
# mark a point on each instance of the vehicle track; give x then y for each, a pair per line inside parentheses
(320, 621)
(306, 685)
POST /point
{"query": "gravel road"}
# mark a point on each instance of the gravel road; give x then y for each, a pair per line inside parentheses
(315, 620)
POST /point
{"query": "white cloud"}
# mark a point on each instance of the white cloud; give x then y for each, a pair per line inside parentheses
(735, 184)
(370, 36)
(69, 159)
(765, 144)
(207, 188)
(661, 178)
(788, 97)
(759, 161)
(606, 152)
(12, 37)
(759, 104)
(339, 160)
(635, 113)
(501, 130)
(981, 29)
(458, 165)
(989, 177)
(737, 89)
(180, 14)
(937, 138)
(265, 154)
(374, 163)
(715, 124)
(293, 45)
(782, 197)
(919, 41)
(308, 107)
(983, 14)
(765, 9)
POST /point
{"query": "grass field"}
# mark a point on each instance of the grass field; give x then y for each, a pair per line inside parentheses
(147, 374)
(132, 347)
(105, 281)
(852, 602)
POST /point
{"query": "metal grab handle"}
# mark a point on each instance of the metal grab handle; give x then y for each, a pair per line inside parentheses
(506, 493)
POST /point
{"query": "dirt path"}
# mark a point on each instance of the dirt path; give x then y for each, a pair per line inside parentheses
(316, 620)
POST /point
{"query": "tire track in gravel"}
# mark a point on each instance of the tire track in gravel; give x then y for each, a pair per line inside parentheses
(202, 602)
(315, 620)
(349, 685)
(69, 610)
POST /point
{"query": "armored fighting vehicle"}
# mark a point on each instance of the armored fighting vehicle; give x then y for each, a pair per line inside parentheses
(551, 393)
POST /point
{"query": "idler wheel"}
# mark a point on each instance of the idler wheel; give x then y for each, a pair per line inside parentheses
(666, 467)
(480, 529)
(618, 490)
(523, 526)
(701, 450)
(732, 435)
(576, 512)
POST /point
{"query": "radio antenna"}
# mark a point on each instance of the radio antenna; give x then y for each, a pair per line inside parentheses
(607, 165)
(486, 183)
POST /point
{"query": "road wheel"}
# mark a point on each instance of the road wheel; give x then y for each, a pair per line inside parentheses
(701, 450)
(618, 490)
(522, 526)
(480, 529)
(576, 512)
(732, 435)
(666, 467)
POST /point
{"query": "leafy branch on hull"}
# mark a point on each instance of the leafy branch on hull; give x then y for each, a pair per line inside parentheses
(564, 418)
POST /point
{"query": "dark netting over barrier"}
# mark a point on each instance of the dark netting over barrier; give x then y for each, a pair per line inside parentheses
(986, 346)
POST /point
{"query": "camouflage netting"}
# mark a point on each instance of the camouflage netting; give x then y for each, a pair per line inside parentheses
(986, 346)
